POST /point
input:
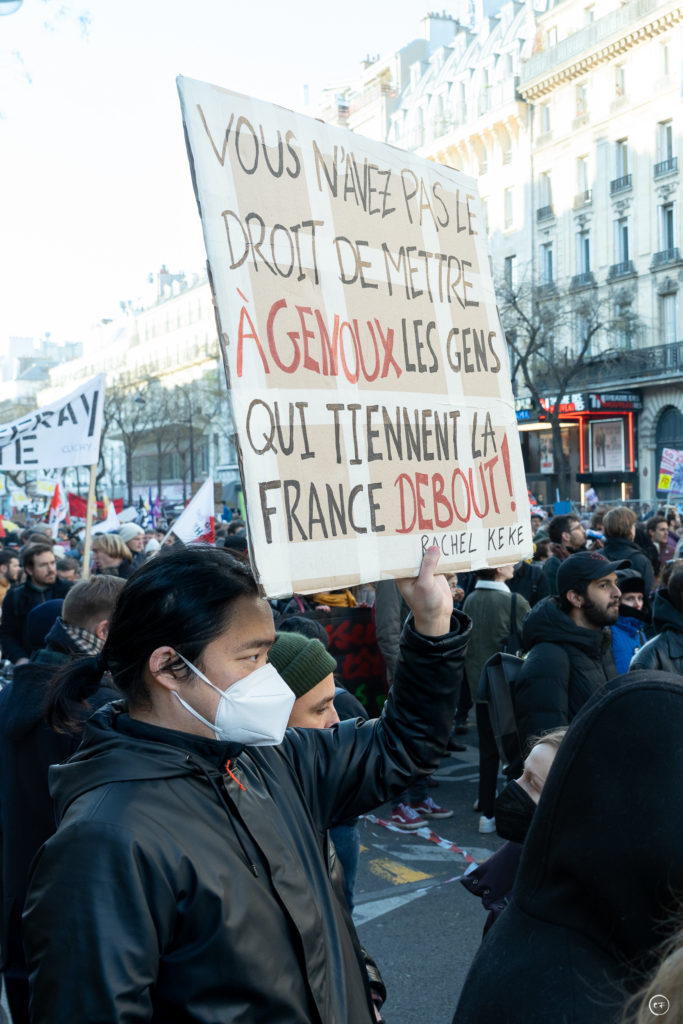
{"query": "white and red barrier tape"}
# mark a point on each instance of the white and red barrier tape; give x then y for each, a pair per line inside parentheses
(423, 833)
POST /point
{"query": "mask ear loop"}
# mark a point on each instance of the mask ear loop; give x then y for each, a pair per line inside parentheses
(193, 668)
(191, 710)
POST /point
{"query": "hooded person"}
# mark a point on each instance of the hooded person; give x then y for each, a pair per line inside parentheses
(601, 872)
(665, 650)
(635, 615)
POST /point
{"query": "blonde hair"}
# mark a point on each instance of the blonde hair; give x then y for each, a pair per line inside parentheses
(553, 738)
(667, 981)
(112, 545)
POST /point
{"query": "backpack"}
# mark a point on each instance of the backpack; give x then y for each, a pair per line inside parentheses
(496, 688)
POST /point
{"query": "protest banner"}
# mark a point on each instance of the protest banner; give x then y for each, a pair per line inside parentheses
(671, 471)
(65, 433)
(366, 364)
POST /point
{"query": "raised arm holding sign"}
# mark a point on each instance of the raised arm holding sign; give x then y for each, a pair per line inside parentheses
(365, 360)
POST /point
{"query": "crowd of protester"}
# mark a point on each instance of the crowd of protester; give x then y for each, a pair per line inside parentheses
(184, 752)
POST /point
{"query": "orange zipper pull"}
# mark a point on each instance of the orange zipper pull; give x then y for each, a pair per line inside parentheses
(233, 777)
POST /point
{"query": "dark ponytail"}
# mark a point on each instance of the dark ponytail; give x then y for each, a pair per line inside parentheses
(67, 704)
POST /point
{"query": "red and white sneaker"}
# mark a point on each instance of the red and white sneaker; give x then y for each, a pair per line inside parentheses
(428, 809)
(406, 817)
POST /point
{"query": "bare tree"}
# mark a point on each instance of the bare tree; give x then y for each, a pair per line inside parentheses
(127, 417)
(550, 336)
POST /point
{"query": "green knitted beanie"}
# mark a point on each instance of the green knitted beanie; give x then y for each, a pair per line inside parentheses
(302, 662)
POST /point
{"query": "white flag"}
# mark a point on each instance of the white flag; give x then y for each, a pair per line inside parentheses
(197, 523)
(59, 508)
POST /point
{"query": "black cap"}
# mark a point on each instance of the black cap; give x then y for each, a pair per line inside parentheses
(586, 565)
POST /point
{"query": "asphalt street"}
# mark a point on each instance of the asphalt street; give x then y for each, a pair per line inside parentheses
(421, 925)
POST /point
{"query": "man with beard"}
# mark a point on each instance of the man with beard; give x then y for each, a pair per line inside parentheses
(566, 535)
(569, 643)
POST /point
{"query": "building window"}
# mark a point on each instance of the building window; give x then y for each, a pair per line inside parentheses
(581, 99)
(669, 317)
(508, 204)
(622, 240)
(589, 15)
(546, 190)
(462, 103)
(551, 36)
(582, 175)
(665, 141)
(666, 226)
(507, 146)
(583, 252)
(620, 80)
(623, 317)
(547, 263)
(584, 337)
(510, 271)
(665, 58)
(545, 118)
(621, 156)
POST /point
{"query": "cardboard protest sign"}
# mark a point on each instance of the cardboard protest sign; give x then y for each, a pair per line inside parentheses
(65, 433)
(365, 359)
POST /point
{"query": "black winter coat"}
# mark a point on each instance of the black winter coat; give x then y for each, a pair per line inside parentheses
(27, 749)
(592, 901)
(15, 608)
(194, 896)
(619, 548)
(664, 651)
(565, 666)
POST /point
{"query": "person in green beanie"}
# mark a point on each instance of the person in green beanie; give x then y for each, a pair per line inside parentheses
(308, 669)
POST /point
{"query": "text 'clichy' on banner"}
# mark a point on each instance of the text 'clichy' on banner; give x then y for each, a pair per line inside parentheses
(367, 368)
(64, 433)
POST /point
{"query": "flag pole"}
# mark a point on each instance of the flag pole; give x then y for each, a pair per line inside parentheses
(89, 511)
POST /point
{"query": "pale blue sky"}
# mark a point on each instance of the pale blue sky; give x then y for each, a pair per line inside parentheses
(96, 192)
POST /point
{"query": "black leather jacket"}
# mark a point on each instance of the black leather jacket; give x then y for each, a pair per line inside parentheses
(664, 651)
(189, 898)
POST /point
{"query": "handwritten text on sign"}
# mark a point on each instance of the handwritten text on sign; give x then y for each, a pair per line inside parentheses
(366, 365)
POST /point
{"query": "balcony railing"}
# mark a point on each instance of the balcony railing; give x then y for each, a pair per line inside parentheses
(584, 198)
(620, 184)
(585, 280)
(628, 367)
(544, 213)
(624, 269)
(669, 166)
(597, 33)
(663, 258)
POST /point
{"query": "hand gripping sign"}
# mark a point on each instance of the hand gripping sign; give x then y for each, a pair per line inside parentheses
(365, 361)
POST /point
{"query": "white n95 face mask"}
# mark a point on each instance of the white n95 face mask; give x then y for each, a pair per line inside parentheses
(254, 710)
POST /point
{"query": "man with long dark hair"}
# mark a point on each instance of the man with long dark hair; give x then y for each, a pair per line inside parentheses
(190, 860)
